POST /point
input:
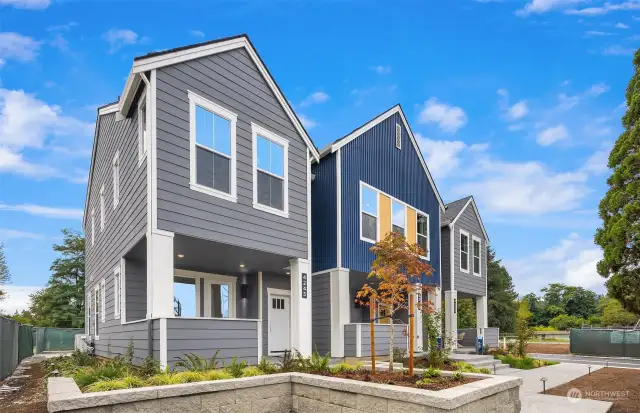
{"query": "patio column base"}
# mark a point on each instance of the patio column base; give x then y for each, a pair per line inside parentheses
(451, 317)
(301, 306)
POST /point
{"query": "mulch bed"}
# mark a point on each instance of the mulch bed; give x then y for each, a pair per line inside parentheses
(548, 348)
(620, 386)
(402, 379)
(32, 398)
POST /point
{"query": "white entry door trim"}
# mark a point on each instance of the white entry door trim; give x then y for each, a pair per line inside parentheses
(274, 332)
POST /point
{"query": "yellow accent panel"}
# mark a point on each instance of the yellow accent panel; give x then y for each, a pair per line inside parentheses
(411, 226)
(385, 215)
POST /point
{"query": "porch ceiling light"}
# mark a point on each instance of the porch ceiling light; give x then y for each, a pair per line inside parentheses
(241, 265)
(180, 255)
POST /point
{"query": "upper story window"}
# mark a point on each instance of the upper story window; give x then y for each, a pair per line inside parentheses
(116, 179)
(143, 129)
(93, 227)
(117, 291)
(422, 236)
(398, 136)
(270, 171)
(213, 148)
(464, 251)
(398, 217)
(476, 255)
(368, 214)
(102, 208)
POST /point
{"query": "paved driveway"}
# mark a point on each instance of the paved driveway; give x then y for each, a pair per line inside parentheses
(593, 360)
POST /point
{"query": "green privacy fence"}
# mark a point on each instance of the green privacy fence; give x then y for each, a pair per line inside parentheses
(608, 342)
(16, 343)
(55, 339)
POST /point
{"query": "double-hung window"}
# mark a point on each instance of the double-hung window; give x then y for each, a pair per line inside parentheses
(464, 251)
(102, 208)
(475, 248)
(116, 179)
(117, 292)
(398, 217)
(87, 312)
(368, 214)
(270, 171)
(96, 310)
(213, 148)
(422, 236)
(143, 128)
(93, 227)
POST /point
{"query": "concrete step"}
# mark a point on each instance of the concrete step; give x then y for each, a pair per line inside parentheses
(470, 358)
(508, 371)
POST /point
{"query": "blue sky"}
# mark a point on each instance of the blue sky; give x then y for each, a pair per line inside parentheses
(515, 102)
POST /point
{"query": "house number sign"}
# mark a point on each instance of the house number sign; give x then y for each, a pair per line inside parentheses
(304, 285)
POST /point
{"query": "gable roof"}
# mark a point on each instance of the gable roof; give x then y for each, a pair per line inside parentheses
(156, 60)
(455, 209)
(339, 143)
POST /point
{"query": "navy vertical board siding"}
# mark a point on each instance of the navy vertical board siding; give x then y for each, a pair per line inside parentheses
(323, 216)
(374, 159)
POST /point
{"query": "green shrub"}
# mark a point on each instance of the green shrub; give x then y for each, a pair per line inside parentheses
(565, 322)
(194, 362)
(251, 371)
(457, 376)
(342, 368)
(188, 377)
(235, 368)
(161, 379)
(288, 362)
(318, 363)
(485, 370)
(425, 380)
(399, 355)
(219, 374)
(431, 372)
(90, 375)
(544, 328)
(150, 366)
(266, 366)
(127, 382)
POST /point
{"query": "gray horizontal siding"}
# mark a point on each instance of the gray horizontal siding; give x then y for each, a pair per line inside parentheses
(321, 313)
(124, 227)
(463, 282)
(233, 338)
(382, 335)
(135, 275)
(231, 80)
(445, 236)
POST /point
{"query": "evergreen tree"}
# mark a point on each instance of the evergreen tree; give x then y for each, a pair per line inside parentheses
(619, 210)
(5, 276)
(501, 301)
(61, 302)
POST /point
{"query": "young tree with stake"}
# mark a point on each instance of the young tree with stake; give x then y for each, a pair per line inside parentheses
(396, 272)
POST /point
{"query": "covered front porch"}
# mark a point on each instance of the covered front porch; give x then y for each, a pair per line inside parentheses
(467, 337)
(209, 296)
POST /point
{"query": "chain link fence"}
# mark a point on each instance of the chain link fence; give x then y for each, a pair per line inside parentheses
(605, 342)
(16, 343)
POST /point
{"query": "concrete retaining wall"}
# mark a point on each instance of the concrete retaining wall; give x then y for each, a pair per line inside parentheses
(290, 392)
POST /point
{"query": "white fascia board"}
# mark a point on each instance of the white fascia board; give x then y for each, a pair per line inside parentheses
(167, 59)
(396, 109)
(475, 210)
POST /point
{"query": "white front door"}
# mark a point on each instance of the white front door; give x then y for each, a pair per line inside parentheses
(279, 314)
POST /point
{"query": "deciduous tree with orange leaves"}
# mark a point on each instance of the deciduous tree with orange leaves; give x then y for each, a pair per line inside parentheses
(396, 272)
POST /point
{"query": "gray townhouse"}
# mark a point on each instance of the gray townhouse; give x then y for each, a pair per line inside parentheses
(200, 183)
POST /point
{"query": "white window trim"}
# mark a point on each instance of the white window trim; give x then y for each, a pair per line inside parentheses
(428, 236)
(478, 274)
(96, 291)
(116, 179)
(102, 300)
(117, 291)
(259, 130)
(463, 232)
(404, 205)
(123, 293)
(87, 310)
(194, 100)
(93, 227)
(377, 216)
(398, 142)
(102, 208)
(143, 138)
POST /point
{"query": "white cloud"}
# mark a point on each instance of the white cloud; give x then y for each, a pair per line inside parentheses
(442, 157)
(617, 50)
(518, 110)
(552, 135)
(308, 123)
(2, 63)
(14, 46)
(543, 6)
(568, 102)
(606, 8)
(15, 163)
(382, 69)
(571, 261)
(527, 188)
(598, 162)
(449, 118)
(479, 147)
(18, 299)
(26, 4)
(621, 26)
(6, 234)
(515, 127)
(315, 98)
(62, 27)
(117, 38)
(44, 211)
(596, 33)
(196, 33)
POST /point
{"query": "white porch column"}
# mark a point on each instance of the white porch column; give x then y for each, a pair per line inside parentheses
(481, 315)
(451, 317)
(340, 309)
(301, 306)
(160, 271)
(418, 342)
